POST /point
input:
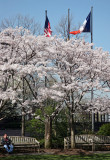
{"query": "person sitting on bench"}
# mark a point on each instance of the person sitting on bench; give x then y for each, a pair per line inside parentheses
(7, 143)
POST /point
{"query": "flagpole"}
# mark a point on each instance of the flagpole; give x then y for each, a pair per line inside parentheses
(92, 94)
(68, 24)
(45, 14)
(45, 76)
(91, 26)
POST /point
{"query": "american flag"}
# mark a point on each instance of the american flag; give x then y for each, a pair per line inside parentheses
(47, 28)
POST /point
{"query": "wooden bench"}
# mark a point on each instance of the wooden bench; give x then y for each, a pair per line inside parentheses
(88, 140)
(25, 142)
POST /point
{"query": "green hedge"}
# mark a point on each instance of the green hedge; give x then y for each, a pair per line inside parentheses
(104, 130)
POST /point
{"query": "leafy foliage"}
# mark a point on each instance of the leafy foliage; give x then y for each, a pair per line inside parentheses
(36, 128)
(104, 130)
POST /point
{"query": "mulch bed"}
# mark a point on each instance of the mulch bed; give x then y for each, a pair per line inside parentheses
(53, 151)
(65, 151)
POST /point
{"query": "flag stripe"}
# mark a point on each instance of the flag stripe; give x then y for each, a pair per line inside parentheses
(47, 28)
(75, 32)
(87, 27)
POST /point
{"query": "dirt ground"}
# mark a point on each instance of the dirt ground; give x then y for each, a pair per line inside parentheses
(54, 151)
(65, 151)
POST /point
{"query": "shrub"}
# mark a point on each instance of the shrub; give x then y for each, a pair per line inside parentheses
(104, 130)
(35, 128)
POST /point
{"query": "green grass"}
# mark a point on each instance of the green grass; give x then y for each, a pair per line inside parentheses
(58, 157)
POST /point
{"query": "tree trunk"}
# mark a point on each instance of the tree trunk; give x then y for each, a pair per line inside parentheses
(48, 132)
(23, 126)
(72, 132)
(72, 122)
(23, 116)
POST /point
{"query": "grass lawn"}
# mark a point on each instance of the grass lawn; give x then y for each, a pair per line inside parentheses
(58, 157)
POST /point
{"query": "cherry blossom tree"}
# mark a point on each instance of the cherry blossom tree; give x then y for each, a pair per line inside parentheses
(80, 70)
(24, 65)
(27, 62)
